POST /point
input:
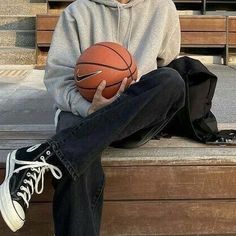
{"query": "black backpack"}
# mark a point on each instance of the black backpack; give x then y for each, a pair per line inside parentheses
(195, 120)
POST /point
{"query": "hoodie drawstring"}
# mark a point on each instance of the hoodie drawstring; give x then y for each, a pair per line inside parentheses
(129, 27)
(118, 24)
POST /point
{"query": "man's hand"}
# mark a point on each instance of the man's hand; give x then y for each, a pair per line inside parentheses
(99, 101)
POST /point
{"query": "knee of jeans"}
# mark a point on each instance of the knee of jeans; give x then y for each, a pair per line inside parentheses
(164, 75)
(173, 79)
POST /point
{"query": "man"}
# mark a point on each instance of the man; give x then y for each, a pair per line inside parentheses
(150, 30)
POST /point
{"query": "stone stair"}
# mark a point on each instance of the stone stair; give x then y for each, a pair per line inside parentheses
(17, 31)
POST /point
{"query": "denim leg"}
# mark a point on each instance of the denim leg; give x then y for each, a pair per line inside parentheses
(77, 205)
(153, 100)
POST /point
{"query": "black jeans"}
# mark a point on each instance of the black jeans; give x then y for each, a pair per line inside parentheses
(131, 120)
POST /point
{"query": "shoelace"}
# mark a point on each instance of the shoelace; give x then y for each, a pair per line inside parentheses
(39, 168)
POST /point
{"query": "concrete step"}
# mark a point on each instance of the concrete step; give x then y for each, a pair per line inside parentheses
(17, 56)
(206, 59)
(23, 9)
(17, 22)
(17, 38)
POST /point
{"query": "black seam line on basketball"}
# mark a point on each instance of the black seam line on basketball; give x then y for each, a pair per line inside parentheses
(128, 66)
(131, 62)
(98, 64)
(111, 84)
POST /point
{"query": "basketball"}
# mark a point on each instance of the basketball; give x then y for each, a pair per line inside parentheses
(104, 61)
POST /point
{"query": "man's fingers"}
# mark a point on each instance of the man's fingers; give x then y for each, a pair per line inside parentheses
(122, 86)
(100, 88)
(133, 82)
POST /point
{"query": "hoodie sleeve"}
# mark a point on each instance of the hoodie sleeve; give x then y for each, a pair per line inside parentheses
(171, 46)
(59, 71)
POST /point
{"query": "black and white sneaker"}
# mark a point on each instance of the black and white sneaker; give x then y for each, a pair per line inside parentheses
(25, 170)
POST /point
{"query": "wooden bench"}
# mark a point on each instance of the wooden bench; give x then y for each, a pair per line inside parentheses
(166, 187)
(180, 4)
(205, 32)
(56, 6)
(232, 32)
(197, 32)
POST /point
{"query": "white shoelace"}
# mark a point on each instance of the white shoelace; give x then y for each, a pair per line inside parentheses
(39, 168)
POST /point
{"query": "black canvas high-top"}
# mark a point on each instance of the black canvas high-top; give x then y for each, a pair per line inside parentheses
(25, 169)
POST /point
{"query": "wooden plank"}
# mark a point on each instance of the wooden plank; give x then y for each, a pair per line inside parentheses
(42, 53)
(169, 218)
(160, 183)
(187, 1)
(202, 38)
(202, 24)
(38, 222)
(232, 24)
(188, 23)
(144, 218)
(202, 46)
(170, 182)
(232, 39)
(46, 22)
(44, 38)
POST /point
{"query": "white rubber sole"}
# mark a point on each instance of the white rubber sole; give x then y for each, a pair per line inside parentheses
(7, 208)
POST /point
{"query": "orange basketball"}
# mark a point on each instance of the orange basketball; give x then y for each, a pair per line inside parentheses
(104, 61)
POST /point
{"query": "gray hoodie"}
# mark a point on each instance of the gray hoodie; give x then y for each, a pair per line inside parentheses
(149, 29)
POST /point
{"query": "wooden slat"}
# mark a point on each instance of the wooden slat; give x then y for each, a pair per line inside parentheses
(188, 23)
(170, 182)
(169, 218)
(39, 222)
(144, 218)
(203, 24)
(232, 39)
(46, 22)
(160, 182)
(187, 1)
(44, 38)
(232, 24)
(210, 38)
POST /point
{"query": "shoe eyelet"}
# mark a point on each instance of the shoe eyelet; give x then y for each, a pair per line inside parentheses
(18, 194)
(32, 169)
(21, 187)
(25, 181)
(28, 174)
(42, 157)
(48, 153)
